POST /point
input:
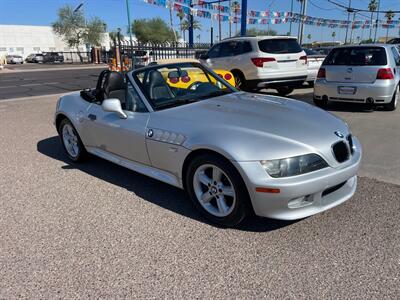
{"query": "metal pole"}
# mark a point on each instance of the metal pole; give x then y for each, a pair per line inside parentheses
(219, 20)
(230, 21)
(348, 19)
(302, 23)
(377, 20)
(301, 19)
(130, 31)
(291, 15)
(243, 24)
(352, 29)
(191, 27)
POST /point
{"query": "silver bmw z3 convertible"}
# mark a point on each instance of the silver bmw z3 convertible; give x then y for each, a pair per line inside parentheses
(235, 153)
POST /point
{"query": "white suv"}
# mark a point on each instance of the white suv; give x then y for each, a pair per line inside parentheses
(260, 62)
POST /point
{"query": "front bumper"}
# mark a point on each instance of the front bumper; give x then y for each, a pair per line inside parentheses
(381, 91)
(304, 195)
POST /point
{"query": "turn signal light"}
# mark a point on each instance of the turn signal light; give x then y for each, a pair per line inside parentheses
(267, 190)
(259, 61)
(321, 73)
(385, 73)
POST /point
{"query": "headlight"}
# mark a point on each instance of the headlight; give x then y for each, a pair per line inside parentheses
(293, 165)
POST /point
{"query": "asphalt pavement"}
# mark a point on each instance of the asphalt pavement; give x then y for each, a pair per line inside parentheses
(44, 81)
(97, 230)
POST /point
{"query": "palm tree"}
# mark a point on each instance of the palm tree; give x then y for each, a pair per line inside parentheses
(333, 36)
(181, 17)
(389, 16)
(185, 26)
(198, 38)
(309, 37)
(372, 6)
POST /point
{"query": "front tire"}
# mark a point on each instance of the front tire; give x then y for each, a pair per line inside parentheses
(240, 81)
(217, 190)
(284, 90)
(71, 141)
(393, 104)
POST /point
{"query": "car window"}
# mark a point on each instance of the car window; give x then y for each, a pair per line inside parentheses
(214, 51)
(246, 47)
(228, 49)
(278, 46)
(311, 52)
(396, 56)
(357, 56)
(133, 101)
(167, 86)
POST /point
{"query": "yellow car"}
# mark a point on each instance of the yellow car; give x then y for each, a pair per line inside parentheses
(193, 77)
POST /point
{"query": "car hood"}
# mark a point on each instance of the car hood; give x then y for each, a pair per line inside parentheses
(254, 126)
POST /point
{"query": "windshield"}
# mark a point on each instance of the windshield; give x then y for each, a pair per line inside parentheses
(172, 85)
(279, 46)
(357, 56)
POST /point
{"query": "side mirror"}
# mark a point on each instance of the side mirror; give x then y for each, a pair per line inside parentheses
(204, 56)
(113, 105)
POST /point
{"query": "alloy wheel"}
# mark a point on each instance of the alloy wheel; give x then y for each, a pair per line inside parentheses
(70, 140)
(214, 190)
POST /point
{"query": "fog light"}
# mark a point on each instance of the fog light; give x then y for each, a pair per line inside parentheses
(300, 202)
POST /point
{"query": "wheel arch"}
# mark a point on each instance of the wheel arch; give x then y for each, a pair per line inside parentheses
(206, 151)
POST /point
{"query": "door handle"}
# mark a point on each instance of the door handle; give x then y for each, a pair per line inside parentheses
(92, 117)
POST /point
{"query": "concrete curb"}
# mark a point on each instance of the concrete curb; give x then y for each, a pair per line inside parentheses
(6, 70)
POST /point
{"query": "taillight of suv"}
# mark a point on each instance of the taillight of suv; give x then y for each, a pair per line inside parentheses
(385, 73)
(259, 61)
(321, 73)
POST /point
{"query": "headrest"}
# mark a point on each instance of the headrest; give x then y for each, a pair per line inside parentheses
(156, 79)
(114, 81)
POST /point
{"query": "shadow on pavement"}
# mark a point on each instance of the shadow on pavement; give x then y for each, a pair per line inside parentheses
(149, 189)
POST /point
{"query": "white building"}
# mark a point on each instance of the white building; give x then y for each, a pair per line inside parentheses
(24, 40)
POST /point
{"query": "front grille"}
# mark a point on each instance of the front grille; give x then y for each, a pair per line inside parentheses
(341, 151)
(333, 189)
(350, 140)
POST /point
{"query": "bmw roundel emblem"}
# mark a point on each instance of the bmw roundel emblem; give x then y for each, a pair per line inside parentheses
(339, 134)
(150, 133)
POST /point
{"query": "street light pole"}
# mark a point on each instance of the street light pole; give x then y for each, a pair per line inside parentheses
(348, 20)
(377, 20)
(244, 18)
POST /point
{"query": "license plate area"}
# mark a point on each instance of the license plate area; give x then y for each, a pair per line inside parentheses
(347, 90)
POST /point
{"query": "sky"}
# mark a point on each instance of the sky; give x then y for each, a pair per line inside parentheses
(113, 12)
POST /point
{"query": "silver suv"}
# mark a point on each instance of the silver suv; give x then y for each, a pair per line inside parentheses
(360, 74)
(260, 62)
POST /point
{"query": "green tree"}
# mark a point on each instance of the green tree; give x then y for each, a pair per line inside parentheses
(154, 30)
(333, 36)
(372, 6)
(309, 37)
(74, 30)
(389, 16)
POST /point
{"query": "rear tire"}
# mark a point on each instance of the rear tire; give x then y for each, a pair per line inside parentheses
(395, 99)
(320, 103)
(217, 190)
(284, 90)
(240, 81)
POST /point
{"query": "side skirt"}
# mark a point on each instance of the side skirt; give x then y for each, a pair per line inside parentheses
(137, 167)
